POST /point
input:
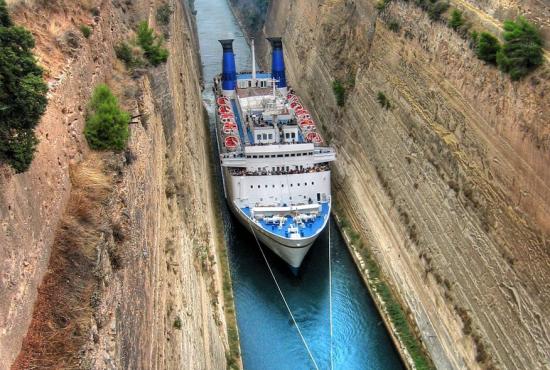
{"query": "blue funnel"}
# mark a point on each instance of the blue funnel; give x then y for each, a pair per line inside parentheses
(229, 72)
(278, 61)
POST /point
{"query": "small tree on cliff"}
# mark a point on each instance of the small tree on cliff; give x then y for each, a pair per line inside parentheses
(151, 45)
(106, 124)
(522, 50)
(22, 94)
(487, 47)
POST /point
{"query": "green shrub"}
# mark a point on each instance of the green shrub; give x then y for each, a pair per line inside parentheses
(394, 25)
(22, 94)
(151, 45)
(339, 92)
(522, 49)
(106, 124)
(178, 323)
(86, 31)
(487, 47)
(457, 20)
(132, 57)
(436, 9)
(382, 4)
(383, 100)
(163, 14)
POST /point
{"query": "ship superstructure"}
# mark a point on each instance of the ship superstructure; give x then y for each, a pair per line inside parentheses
(275, 167)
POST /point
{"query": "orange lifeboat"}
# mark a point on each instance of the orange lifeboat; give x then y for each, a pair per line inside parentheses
(307, 122)
(313, 137)
(222, 101)
(224, 109)
(231, 142)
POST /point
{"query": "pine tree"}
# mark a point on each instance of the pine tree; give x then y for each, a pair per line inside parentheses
(522, 50)
(106, 125)
(22, 94)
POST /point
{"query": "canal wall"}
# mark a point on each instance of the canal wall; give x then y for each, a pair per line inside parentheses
(128, 266)
(446, 186)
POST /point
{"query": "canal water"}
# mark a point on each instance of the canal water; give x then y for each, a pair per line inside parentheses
(268, 338)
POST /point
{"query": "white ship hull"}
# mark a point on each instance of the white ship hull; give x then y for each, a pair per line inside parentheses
(291, 251)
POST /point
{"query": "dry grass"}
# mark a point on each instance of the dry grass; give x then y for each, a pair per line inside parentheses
(63, 312)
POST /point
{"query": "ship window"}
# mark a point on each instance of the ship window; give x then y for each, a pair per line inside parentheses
(298, 184)
(259, 137)
(249, 83)
(286, 155)
(270, 136)
(264, 136)
(258, 186)
(254, 156)
(273, 185)
(293, 135)
(293, 155)
(282, 185)
(305, 183)
(279, 155)
(291, 185)
(299, 154)
(251, 186)
(312, 183)
(272, 155)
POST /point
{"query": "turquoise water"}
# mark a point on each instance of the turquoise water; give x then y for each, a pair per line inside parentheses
(268, 338)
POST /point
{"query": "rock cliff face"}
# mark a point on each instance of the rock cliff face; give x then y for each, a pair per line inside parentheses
(450, 184)
(149, 279)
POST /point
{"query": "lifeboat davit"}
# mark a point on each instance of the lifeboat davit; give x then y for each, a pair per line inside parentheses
(313, 137)
(224, 109)
(228, 120)
(222, 101)
(229, 128)
(227, 115)
(231, 142)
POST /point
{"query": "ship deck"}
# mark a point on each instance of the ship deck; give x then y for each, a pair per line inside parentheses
(310, 228)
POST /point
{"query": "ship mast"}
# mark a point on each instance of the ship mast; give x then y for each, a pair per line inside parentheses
(253, 63)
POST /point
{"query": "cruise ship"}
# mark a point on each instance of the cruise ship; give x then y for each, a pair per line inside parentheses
(275, 166)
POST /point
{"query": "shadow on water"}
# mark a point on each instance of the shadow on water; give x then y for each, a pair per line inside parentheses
(268, 337)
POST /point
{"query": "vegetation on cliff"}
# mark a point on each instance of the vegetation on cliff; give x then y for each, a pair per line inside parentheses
(106, 125)
(22, 94)
(486, 46)
(522, 49)
(151, 44)
(146, 48)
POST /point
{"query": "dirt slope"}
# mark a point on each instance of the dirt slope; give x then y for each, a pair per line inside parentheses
(153, 287)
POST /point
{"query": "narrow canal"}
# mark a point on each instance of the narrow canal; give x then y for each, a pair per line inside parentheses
(268, 338)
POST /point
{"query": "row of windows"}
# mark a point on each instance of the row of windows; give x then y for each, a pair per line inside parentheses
(264, 136)
(282, 185)
(279, 155)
